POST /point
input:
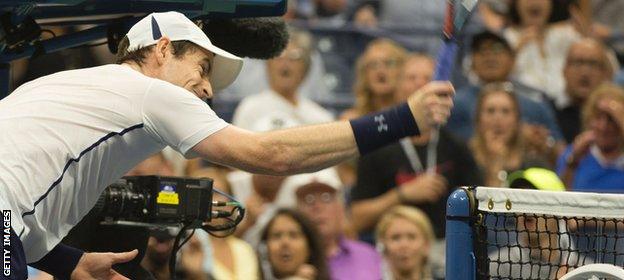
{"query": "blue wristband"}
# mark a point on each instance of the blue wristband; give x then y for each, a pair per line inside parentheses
(60, 262)
(376, 130)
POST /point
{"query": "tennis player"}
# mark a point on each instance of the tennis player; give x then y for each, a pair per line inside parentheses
(67, 136)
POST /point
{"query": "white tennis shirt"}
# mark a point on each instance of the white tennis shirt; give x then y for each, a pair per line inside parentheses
(66, 136)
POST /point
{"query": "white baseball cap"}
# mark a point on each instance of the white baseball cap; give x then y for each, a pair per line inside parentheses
(177, 27)
(326, 178)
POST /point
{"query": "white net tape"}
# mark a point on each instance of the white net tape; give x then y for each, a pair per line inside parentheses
(577, 204)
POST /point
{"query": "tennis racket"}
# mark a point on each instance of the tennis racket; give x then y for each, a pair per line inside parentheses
(457, 14)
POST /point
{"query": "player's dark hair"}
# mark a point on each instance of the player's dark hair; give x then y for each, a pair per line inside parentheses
(180, 48)
(259, 38)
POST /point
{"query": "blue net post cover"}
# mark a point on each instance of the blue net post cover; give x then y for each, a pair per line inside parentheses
(460, 256)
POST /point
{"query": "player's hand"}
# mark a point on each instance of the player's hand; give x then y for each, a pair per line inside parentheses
(424, 188)
(100, 265)
(431, 105)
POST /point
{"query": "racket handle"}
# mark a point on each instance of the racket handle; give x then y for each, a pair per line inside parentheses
(446, 59)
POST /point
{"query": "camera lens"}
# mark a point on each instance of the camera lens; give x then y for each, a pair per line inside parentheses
(122, 200)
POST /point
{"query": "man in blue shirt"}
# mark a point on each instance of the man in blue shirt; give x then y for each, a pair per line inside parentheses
(492, 62)
(595, 161)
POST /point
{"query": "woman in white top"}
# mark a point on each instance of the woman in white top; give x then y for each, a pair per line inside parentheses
(541, 46)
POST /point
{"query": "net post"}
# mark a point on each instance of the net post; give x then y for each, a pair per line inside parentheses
(460, 255)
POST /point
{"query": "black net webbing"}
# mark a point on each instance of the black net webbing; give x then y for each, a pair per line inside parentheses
(535, 246)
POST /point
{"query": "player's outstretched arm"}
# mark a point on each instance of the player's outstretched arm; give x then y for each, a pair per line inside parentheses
(282, 152)
(310, 148)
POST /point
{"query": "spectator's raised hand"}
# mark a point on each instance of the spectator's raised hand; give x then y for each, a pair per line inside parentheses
(424, 188)
(431, 105)
(540, 143)
(587, 26)
(535, 134)
(306, 272)
(496, 144)
(581, 144)
(582, 24)
(537, 137)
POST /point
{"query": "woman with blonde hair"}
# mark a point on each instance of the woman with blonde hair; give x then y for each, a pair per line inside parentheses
(595, 160)
(501, 143)
(377, 73)
(405, 237)
(540, 46)
(496, 144)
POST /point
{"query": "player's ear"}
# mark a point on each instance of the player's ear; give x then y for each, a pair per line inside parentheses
(162, 49)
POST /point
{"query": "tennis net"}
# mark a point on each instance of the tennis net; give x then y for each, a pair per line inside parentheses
(498, 233)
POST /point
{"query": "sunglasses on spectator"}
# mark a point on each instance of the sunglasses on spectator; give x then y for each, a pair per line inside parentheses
(578, 62)
(323, 197)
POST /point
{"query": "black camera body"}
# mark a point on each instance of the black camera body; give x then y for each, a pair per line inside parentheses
(156, 201)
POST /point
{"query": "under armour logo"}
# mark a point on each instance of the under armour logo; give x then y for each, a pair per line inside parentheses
(382, 126)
